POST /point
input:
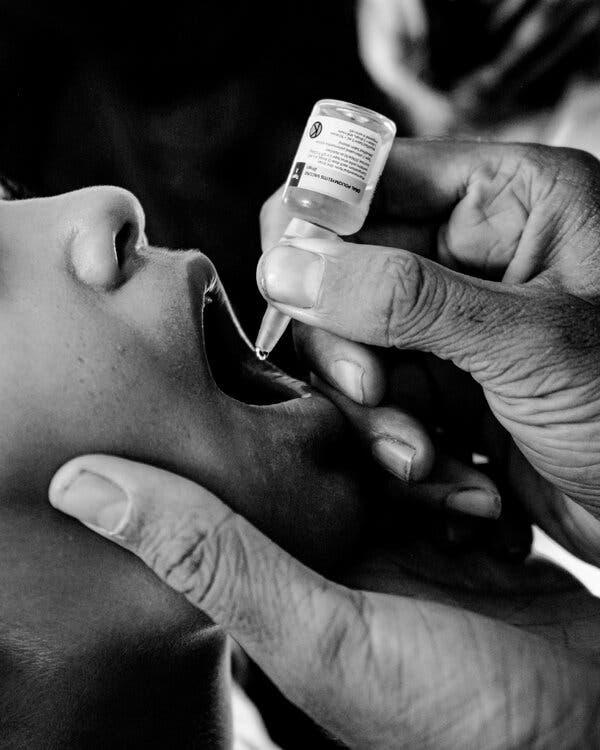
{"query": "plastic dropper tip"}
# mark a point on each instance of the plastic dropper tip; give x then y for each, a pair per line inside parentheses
(261, 353)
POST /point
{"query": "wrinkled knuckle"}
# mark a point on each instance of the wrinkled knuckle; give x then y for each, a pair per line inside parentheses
(580, 166)
(209, 575)
(535, 162)
(403, 295)
(346, 638)
(333, 644)
(569, 168)
(191, 557)
(547, 171)
(534, 154)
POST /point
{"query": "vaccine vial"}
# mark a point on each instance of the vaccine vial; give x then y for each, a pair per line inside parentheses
(340, 158)
(329, 190)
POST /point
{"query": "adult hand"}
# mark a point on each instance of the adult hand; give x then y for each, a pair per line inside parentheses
(376, 670)
(401, 444)
(516, 52)
(527, 214)
(428, 405)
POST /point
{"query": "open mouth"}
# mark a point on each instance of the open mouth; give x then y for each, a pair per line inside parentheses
(232, 362)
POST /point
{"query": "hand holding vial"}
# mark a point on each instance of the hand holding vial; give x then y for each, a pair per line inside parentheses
(412, 648)
(507, 291)
(330, 186)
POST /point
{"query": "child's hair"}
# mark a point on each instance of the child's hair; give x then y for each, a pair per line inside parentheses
(13, 191)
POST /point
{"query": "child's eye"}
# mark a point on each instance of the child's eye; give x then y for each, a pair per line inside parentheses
(12, 191)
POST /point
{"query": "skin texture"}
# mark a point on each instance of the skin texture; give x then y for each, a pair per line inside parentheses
(420, 649)
(417, 649)
(525, 218)
(107, 353)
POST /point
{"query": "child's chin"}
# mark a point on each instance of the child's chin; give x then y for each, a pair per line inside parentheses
(332, 535)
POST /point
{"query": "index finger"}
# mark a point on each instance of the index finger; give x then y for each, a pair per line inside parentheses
(425, 178)
(274, 218)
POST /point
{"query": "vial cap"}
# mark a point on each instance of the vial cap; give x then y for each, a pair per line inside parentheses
(303, 228)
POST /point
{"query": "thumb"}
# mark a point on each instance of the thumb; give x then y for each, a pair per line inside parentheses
(360, 664)
(288, 618)
(391, 298)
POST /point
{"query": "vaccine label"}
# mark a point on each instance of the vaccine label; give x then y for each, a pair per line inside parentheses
(335, 157)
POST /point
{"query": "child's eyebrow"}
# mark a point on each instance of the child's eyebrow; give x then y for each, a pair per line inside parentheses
(13, 191)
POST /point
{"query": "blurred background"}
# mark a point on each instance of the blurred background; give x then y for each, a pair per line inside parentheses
(198, 109)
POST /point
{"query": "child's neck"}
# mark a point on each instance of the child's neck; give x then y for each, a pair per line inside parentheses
(95, 652)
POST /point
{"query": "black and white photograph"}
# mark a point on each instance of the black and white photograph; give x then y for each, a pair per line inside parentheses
(300, 375)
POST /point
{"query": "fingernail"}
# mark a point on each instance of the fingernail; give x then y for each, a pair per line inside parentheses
(94, 500)
(291, 276)
(395, 455)
(475, 502)
(349, 378)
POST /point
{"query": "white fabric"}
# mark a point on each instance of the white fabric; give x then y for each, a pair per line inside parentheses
(249, 731)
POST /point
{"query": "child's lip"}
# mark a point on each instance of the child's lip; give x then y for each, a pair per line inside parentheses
(236, 371)
(230, 359)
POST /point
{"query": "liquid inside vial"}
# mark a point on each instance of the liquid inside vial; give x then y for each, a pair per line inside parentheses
(340, 158)
(338, 163)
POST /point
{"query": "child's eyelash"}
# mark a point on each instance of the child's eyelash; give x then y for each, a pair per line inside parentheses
(12, 191)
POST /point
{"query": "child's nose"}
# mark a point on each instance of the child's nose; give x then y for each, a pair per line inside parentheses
(107, 225)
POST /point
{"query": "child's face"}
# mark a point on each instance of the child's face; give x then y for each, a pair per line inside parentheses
(104, 351)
